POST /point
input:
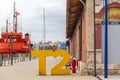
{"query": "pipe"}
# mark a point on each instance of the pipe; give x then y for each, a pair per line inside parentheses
(94, 42)
(83, 3)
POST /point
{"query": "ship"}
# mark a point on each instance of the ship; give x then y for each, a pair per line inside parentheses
(14, 41)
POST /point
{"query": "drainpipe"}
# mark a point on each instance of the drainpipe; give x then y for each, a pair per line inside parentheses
(95, 74)
(79, 52)
(83, 3)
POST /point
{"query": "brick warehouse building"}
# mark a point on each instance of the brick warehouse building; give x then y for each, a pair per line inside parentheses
(80, 34)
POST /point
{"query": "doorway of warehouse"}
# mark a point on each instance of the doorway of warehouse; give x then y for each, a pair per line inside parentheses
(113, 42)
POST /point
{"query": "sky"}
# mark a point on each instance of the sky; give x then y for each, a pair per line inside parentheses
(31, 18)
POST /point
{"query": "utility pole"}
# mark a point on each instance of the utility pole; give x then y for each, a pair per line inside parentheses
(44, 28)
(106, 41)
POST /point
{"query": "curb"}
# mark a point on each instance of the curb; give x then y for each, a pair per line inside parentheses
(98, 77)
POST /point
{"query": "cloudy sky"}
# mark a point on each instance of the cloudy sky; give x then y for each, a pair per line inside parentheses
(31, 17)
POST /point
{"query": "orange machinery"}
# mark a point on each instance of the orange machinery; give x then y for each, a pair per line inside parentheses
(13, 41)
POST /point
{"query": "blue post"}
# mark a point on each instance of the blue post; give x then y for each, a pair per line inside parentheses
(106, 42)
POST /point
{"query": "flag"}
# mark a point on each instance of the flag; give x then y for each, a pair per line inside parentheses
(17, 13)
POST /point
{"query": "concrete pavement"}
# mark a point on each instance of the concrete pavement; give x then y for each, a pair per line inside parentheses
(28, 70)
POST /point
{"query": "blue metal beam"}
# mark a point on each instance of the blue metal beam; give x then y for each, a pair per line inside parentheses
(106, 41)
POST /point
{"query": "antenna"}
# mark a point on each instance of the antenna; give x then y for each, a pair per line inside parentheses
(44, 26)
(15, 19)
(7, 26)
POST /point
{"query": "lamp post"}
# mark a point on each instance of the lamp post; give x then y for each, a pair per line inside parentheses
(106, 41)
(11, 50)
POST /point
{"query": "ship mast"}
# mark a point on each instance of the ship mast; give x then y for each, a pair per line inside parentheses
(7, 26)
(15, 19)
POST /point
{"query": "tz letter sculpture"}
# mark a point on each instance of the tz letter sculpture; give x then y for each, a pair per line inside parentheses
(57, 69)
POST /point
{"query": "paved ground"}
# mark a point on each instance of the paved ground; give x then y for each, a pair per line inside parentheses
(28, 70)
(113, 77)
